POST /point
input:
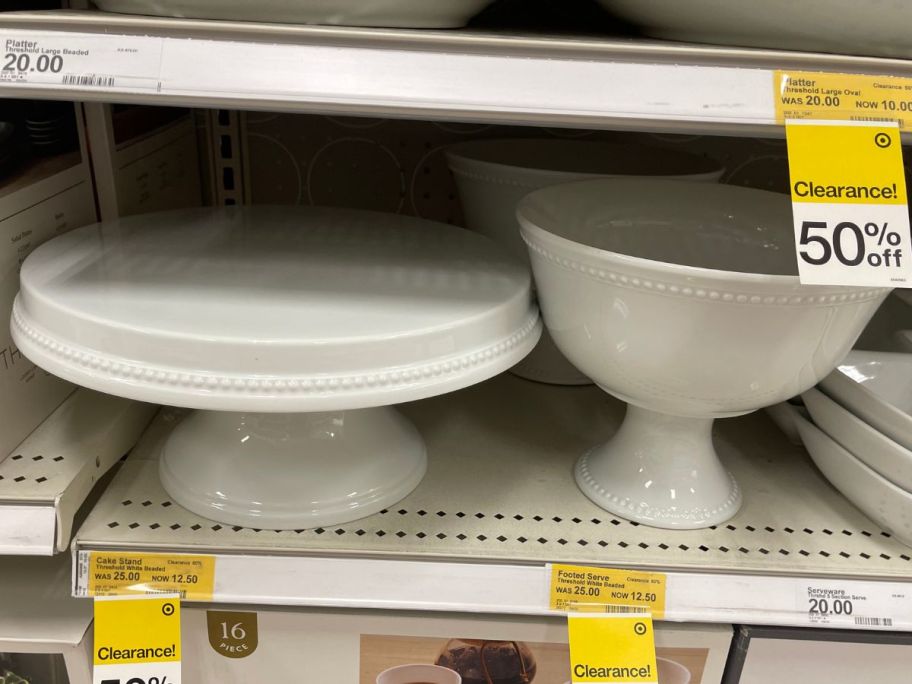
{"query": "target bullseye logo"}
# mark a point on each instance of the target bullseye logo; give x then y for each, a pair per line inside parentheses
(883, 140)
(640, 628)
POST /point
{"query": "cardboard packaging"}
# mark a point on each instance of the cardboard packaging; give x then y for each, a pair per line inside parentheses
(46, 195)
(244, 644)
(45, 634)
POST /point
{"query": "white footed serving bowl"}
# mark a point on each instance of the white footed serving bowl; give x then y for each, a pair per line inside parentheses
(388, 13)
(683, 300)
(492, 176)
(293, 328)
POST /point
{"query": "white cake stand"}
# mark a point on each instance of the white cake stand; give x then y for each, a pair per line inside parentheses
(293, 329)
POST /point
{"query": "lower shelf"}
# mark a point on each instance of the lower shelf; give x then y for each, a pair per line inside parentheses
(499, 503)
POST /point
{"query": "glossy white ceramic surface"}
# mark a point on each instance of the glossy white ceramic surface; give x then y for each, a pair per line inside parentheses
(494, 175)
(269, 310)
(876, 387)
(292, 471)
(274, 309)
(868, 27)
(891, 460)
(683, 300)
(886, 504)
(392, 13)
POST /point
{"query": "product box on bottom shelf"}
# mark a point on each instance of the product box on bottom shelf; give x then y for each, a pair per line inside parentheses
(243, 644)
(45, 634)
(47, 192)
(761, 655)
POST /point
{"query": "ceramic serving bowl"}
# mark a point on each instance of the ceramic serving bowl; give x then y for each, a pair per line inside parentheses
(683, 300)
(391, 13)
(878, 498)
(876, 387)
(889, 459)
(494, 175)
(859, 26)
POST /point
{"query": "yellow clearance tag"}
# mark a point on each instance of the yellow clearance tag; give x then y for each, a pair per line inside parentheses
(575, 588)
(116, 574)
(849, 203)
(137, 639)
(612, 648)
(843, 97)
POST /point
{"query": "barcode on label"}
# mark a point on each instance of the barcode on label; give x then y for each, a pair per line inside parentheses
(874, 622)
(581, 606)
(88, 80)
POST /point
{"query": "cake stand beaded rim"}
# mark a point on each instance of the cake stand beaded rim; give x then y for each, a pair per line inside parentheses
(83, 362)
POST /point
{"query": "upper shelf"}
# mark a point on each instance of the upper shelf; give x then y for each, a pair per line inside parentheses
(460, 75)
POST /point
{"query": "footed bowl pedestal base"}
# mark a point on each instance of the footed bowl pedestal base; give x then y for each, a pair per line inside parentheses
(660, 470)
(288, 471)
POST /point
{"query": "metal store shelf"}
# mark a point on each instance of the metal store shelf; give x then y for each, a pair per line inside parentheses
(49, 476)
(568, 81)
(499, 502)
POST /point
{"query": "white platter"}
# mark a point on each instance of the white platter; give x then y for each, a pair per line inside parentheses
(266, 310)
(391, 13)
(875, 449)
(878, 498)
(869, 27)
(877, 387)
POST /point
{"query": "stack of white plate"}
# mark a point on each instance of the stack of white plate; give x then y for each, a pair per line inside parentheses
(861, 435)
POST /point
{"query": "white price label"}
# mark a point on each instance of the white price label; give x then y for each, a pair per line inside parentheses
(849, 203)
(842, 604)
(43, 59)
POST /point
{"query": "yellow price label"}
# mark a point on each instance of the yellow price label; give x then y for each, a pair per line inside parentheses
(849, 203)
(576, 588)
(834, 163)
(141, 629)
(612, 648)
(113, 573)
(844, 97)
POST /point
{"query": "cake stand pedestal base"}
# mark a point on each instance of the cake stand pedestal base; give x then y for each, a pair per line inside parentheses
(286, 471)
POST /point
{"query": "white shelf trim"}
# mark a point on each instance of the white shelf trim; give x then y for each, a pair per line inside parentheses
(414, 81)
(496, 588)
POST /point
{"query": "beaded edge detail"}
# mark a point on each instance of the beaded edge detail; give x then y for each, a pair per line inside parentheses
(286, 386)
(626, 506)
(674, 290)
(474, 175)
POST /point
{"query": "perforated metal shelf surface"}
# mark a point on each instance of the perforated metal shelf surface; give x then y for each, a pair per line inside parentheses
(499, 496)
(51, 473)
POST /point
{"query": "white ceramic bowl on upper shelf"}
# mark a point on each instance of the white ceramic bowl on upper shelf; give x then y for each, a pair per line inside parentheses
(494, 175)
(867, 27)
(683, 300)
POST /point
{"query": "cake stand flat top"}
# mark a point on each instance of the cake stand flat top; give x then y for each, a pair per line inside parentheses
(273, 308)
